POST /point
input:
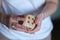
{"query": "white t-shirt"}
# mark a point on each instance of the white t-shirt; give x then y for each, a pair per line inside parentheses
(23, 6)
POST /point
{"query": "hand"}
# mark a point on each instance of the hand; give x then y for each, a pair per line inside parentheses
(17, 26)
(38, 22)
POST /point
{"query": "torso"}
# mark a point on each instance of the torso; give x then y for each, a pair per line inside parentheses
(46, 25)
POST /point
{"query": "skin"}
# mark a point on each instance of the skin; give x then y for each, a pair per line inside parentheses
(48, 10)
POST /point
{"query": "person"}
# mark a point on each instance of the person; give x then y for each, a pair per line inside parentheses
(42, 9)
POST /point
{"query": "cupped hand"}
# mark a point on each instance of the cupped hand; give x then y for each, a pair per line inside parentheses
(38, 21)
(17, 26)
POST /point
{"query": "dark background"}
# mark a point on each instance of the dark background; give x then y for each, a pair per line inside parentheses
(56, 22)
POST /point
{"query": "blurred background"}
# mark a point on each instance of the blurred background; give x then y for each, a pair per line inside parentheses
(56, 22)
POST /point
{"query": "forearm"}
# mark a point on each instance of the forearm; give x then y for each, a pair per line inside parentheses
(49, 9)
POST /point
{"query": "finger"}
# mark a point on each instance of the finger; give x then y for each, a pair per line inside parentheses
(30, 32)
(36, 29)
(19, 26)
(37, 22)
(15, 26)
(19, 29)
(22, 27)
(21, 18)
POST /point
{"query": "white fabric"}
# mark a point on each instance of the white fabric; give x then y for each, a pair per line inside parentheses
(26, 5)
(46, 25)
(20, 7)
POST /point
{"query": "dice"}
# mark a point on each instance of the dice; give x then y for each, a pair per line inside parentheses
(29, 22)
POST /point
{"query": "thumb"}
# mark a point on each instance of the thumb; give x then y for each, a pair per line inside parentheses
(37, 21)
